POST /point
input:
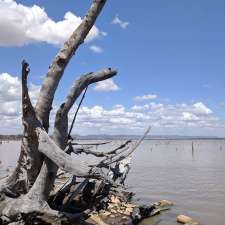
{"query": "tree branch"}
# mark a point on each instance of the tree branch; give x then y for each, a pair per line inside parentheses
(89, 152)
(55, 72)
(75, 115)
(60, 135)
(100, 154)
(92, 144)
(118, 157)
(60, 158)
(121, 157)
(61, 119)
(27, 108)
(83, 82)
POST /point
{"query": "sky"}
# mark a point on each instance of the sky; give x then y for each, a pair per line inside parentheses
(170, 56)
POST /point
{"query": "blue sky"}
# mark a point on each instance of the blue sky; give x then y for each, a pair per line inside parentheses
(171, 52)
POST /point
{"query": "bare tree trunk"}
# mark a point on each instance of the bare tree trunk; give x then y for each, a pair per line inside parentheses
(46, 178)
(36, 199)
(30, 160)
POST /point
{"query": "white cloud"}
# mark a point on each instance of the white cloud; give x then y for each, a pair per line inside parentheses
(145, 97)
(106, 85)
(22, 25)
(10, 101)
(140, 107)
(96, 49)
(117, 21)
(201, 109)
(187, 116)
(165, 118)
(10, 88)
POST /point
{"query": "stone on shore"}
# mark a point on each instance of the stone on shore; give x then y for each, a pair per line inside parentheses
(186, 220)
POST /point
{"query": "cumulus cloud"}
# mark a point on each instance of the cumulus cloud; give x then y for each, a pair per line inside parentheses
(165, 118)
(201, 109)
(106, 85)
(117, 21)
(180, 119)
(96, 49)
(145, 97)
(22, 25)
(188, 116)
(10, 101)
(10, 88)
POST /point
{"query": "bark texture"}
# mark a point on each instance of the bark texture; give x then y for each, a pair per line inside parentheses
(56, 69)
(30, 160)
(46, 178)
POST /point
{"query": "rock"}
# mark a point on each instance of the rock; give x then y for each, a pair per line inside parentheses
(186, 220)
(192, 223)
(157, 207)
(113, 210)
(97, 219)
(165, 203)
(128, 211)
(115, 200)
(129, 205)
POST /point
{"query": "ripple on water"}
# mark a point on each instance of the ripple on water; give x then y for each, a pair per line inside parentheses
(194, 181)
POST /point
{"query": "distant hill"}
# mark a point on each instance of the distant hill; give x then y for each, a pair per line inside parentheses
(152, 137)
(11, 137)
(123, 137)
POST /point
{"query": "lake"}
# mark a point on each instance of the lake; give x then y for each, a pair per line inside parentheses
(168, 169)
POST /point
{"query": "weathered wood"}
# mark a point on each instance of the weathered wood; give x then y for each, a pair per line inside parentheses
(66, 162)
(118, 158)
(92, 144)
(46, 177)
(106, 154)
(55, 72)
(29, 161)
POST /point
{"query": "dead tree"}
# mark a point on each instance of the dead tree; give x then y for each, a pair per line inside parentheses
(26, 191)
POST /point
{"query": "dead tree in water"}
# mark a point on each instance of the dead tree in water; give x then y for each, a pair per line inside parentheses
(25, 193)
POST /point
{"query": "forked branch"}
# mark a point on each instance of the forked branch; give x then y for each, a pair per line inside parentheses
(83, 82)
(55, 72)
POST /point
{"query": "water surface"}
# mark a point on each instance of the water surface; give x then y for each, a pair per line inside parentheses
(168, 169)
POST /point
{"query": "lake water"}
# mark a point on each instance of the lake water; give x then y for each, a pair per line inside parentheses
(168, 169)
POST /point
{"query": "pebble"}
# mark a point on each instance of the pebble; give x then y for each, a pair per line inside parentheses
(183, 219)
(186, 220)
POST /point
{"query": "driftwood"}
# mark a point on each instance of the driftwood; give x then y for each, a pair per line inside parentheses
(31, 194)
